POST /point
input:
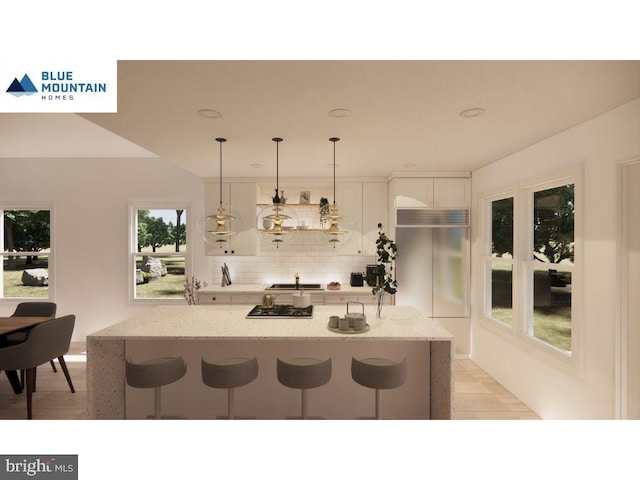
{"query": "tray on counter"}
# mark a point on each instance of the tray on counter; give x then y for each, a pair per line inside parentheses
(350, 331)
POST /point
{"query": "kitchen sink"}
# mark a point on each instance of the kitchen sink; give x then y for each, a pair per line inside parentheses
(292, 286)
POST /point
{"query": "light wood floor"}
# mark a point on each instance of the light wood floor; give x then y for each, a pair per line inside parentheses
(477, 395)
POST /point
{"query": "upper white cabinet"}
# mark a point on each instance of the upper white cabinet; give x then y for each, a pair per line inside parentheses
(452, 192)
(241, 198)
(413, 192)
(431, 192)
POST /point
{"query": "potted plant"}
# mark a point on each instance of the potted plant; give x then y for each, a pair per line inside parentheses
(323, 210)
(191, 288)
(384, 280)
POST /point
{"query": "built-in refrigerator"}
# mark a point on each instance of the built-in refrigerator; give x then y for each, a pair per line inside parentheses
(433, 268)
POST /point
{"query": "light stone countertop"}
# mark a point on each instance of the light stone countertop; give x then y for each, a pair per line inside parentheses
(210, 322)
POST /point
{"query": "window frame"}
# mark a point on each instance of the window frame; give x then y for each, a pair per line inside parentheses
(529, 264)
(132, 248)
(488, 259)
(523, 264)
(49, 206)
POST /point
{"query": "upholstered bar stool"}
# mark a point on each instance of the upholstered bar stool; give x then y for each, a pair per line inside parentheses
(155, 373)
(379, 374)
(304, 373)
(230, 373)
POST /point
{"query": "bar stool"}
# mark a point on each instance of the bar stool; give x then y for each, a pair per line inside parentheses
(155, 373)
(380, 374)
(304, 373)
(229, 373)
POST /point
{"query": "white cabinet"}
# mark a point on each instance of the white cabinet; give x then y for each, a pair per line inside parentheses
(211, 298)
(246, 298)
(452, 193)
(431, 192)
(413, 192)
(374, 211)
(241, 198)
(365, 297)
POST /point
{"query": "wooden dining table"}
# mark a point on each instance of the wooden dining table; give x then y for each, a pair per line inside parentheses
(16, 324)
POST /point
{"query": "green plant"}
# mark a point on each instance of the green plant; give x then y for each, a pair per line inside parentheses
(384, 276)
(323, 210)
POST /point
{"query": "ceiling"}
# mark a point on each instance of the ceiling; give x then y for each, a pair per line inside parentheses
(405, 115)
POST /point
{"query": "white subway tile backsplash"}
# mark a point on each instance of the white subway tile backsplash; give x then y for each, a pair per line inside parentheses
(281, 266)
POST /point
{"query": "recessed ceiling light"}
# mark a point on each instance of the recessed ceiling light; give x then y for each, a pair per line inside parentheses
(339, 113)
(409, 165)
(472, 112)
(209, 113)
(256, 165)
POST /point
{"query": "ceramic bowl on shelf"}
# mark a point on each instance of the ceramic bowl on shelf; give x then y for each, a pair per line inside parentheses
(333, 286)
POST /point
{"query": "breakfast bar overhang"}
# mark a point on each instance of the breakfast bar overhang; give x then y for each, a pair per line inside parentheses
(216, 331)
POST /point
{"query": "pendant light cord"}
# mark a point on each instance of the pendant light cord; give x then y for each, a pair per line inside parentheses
(334, 140)
(221, 141)
(276, 199)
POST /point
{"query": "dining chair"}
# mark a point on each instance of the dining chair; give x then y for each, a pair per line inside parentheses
(31, 309)
(47, 340)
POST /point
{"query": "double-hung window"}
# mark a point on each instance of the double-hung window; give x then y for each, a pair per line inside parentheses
(499, 260)
(530, 260)
(26, 250)
(159, 259)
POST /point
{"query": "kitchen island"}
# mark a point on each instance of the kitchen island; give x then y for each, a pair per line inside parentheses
(216, 331)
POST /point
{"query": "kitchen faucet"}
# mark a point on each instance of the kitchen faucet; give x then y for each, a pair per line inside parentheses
(297, 281)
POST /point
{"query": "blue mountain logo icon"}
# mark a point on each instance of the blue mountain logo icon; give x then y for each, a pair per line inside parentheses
(22, 87)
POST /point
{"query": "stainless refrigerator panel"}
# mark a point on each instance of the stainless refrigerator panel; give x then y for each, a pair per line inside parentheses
(450, 267)
(432, 269)
(414, 267)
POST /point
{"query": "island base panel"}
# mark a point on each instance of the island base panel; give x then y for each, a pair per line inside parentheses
(266, 398)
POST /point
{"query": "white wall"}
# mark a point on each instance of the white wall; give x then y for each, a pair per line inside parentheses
(90, 226)
(599, 144)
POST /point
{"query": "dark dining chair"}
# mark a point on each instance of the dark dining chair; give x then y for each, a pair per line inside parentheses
(47, 340)
(31, 309)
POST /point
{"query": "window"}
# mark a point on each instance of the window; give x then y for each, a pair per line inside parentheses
(26, 253)
(550, 265)
(159, 259)
(530, 264)
(500, 260)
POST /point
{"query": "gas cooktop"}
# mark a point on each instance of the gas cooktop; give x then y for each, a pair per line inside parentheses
(281, 311)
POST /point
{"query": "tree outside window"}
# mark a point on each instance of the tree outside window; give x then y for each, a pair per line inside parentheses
(159, 261)
(26, 250)
(552, 265)
(538, 271)
(502, 260)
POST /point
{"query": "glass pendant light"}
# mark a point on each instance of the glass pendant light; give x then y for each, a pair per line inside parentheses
(277, 222)
(335, 233)
(216, 228)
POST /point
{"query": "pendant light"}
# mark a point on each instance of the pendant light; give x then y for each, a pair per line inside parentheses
(333, 217)
(216, 228)
(271, 220)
